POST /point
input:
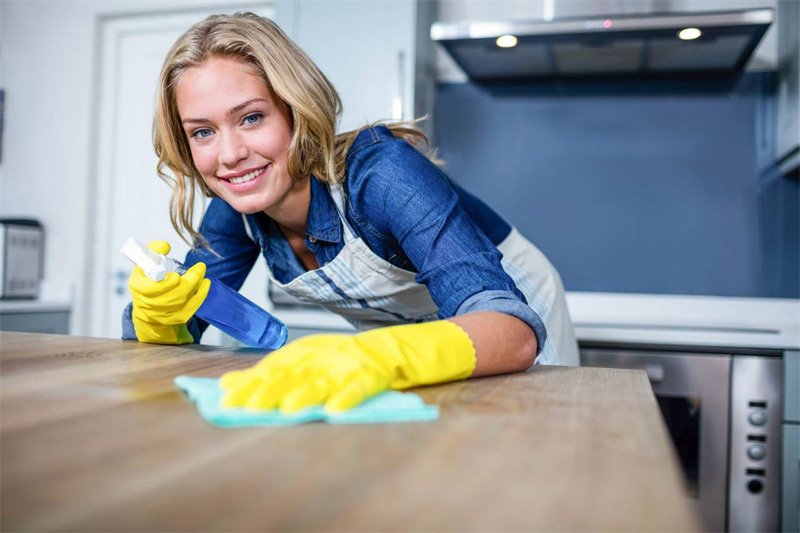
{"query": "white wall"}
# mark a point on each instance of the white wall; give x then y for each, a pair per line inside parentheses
(48, 69)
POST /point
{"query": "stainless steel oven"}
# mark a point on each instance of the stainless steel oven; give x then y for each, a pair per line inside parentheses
(723, 412)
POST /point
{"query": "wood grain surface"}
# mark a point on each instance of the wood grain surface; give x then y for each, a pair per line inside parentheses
(95, 437)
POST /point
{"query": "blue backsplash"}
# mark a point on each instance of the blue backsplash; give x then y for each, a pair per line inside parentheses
(638, 190)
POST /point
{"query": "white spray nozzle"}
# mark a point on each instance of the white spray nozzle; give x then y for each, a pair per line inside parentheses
(152, 263)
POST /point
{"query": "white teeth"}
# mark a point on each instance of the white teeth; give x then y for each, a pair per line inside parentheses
(247, 177)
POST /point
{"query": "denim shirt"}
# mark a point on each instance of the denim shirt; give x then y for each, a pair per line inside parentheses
(404, 208)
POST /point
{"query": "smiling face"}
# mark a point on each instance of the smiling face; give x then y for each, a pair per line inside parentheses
(239, 135)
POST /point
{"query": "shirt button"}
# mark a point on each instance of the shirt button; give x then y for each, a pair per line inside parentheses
(312, 239)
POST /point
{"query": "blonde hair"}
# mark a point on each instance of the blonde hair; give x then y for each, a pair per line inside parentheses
(311, 100)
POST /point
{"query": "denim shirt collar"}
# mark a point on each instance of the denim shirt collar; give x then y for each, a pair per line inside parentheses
(323, 219)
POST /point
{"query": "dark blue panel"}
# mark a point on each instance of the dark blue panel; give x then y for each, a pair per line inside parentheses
(637, 191)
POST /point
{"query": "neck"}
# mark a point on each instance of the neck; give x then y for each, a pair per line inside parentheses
(291, 215)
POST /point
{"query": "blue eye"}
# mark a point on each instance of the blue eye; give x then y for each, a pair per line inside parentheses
(202, 133)
(252, 118)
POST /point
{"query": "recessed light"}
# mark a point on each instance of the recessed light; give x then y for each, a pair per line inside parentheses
(687, 34)
(506, 41)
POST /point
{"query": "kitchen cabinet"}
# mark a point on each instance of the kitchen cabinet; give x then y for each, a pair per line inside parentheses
(378, 55)
(55, 322)
(35, 316)
(787, 148)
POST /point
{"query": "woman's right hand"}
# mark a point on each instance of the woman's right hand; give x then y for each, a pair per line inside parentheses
(161, 309)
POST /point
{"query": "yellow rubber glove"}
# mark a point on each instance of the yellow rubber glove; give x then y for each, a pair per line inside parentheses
(161, 309)
(341, 371)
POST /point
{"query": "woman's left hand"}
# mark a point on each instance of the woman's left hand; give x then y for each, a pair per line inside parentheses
(341, 371)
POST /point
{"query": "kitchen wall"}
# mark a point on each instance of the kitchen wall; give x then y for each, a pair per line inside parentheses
(630, 188)
(641, 189)
(49, 69)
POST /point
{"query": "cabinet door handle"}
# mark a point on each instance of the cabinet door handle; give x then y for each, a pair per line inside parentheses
(121, 280)
(655, 373)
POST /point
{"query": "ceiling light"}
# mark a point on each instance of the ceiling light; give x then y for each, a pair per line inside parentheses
(687, 34)
(506, 41)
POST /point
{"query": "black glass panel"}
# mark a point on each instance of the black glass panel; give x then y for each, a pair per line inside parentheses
(682, 416)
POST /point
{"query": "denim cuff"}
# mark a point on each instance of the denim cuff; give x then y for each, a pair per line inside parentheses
(128, 333)
(507, 303)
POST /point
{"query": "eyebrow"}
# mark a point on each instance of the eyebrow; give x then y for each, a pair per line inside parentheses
(231, 111)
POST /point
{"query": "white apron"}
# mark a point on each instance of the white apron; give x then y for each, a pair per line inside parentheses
(370, 292)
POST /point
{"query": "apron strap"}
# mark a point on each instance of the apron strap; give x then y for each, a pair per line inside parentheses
(247, 228)
(337, 195)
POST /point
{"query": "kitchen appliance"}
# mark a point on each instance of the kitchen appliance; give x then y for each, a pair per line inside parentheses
(724, 415)
(22, 264)
(715, 45)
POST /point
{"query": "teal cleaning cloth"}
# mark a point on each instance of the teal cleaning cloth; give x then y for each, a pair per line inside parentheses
(389, 406)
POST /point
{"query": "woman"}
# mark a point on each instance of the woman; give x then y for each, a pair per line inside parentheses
(361, 223)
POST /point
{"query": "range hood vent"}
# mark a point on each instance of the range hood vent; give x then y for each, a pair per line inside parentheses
(719, 45)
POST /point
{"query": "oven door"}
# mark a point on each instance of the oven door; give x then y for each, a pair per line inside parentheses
(693, 392)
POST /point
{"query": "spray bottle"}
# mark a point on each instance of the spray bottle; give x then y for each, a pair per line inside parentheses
(223, 308)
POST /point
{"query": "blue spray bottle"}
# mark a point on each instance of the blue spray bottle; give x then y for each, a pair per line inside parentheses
(223, 308)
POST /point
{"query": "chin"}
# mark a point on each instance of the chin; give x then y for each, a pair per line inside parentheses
(246, 207)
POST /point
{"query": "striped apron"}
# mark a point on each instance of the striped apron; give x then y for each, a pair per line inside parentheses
(370, 292)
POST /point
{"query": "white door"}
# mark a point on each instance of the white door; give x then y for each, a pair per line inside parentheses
(131, 200)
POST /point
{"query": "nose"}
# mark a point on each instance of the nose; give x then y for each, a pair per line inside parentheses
(232, 150)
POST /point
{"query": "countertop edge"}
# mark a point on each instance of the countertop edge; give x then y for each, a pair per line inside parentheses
(672, 320)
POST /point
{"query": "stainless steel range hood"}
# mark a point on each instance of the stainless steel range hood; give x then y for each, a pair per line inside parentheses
(630, 46)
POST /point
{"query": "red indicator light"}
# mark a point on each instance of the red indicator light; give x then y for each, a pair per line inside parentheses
(607, 23)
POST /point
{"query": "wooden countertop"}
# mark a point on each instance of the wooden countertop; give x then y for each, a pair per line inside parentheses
(95, 437)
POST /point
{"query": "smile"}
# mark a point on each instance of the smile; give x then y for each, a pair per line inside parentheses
(247, 177)
(245, 182)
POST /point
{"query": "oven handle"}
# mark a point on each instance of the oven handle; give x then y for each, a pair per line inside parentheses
(655, 373)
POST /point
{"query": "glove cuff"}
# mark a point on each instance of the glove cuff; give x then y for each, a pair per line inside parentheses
(422, 354)
(161, 334)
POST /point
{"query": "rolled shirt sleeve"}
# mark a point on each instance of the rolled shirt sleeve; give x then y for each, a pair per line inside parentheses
(399, 195)
(506, 303)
